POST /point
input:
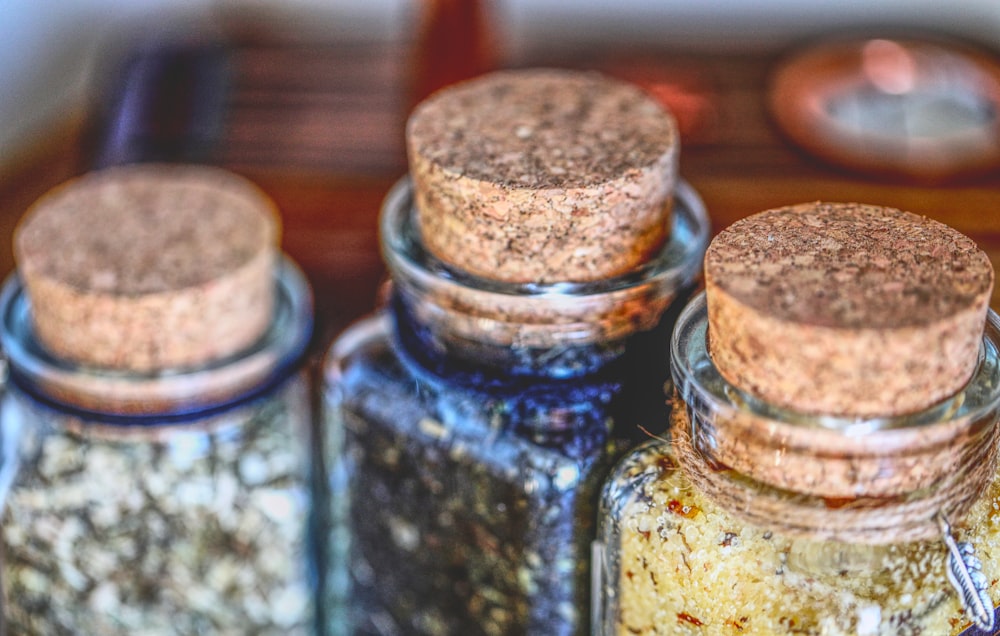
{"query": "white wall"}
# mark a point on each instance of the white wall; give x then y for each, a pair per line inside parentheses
(47, 47)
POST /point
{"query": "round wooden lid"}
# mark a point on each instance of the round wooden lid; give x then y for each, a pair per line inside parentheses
(846, 309)
(543, 175)
(149, 267)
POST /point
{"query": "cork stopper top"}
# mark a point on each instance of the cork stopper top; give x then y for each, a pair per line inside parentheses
(169, 266)
(543, 175)
(138, 230)
(849, 266)
(542, 129)
(845, 308)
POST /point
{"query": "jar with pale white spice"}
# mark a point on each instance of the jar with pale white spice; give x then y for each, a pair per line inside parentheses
(830, 465)
(539, 251)
(156, 422)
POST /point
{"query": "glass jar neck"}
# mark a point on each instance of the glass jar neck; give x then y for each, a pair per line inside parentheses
(867, 480)
(170, 394)
(556, 330)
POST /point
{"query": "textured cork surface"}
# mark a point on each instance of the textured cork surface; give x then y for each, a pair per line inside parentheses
(846, 309)
(149, 267)
(543, 175)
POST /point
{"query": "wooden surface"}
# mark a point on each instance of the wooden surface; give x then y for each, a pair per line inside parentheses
(320, 129)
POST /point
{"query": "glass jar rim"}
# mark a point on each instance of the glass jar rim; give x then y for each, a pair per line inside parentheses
(676, 263)
(695, 375)
(873, 480)
(177, 392)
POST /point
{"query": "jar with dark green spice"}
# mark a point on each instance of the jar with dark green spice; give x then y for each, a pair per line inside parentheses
(538, 254)
(156, 423)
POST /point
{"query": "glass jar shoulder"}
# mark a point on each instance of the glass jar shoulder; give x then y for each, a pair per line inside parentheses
(277, 421)
(667, 555)
(559, 429)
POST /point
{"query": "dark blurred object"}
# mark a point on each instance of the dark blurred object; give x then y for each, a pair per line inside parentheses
(912, 108)
(455, 41)
(316, 108)
(167, 103)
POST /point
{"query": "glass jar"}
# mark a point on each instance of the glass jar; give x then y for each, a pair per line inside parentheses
(470, 425)
(158, 502)
(695, 538)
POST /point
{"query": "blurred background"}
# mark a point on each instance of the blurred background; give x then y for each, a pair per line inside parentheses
(888, 102)
(49, 50)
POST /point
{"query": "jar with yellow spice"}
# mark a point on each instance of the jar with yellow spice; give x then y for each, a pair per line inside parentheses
(831, 462)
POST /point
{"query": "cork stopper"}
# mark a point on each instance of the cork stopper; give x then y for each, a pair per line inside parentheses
(846, 309)
(543, 175)
(151, 267)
